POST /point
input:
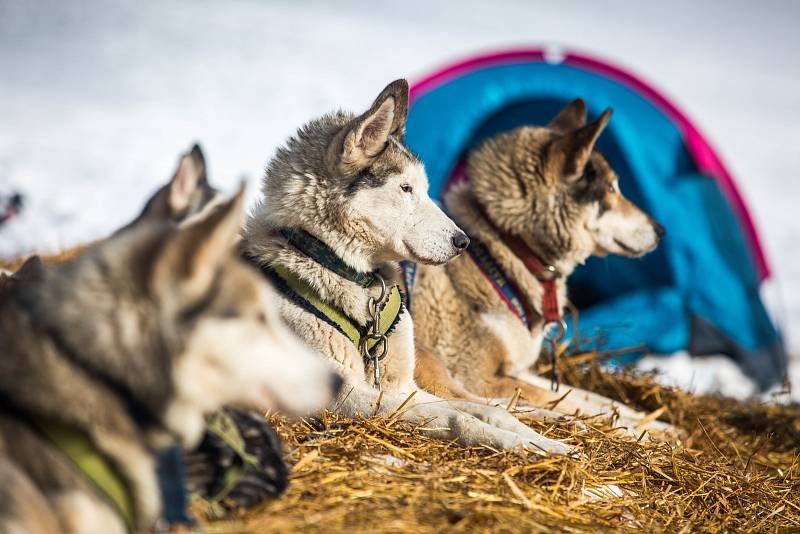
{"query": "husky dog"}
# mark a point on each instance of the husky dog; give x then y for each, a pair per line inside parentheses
(122, 351)
(538, 202)
(343, 201)
(241, 441)
(261, 472)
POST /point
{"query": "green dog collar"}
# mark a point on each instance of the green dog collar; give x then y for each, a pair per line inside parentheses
(325, 256)
(301, 292)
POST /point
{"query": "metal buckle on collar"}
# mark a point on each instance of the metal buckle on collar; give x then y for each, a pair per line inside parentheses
(374, 356)
(549, 273)
(554, 341)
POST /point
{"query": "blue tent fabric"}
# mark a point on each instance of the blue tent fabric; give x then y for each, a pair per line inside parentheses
(699, 291)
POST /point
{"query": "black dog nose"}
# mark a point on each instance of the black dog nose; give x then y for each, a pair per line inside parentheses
(460, 240)
(336, 383)
(660, 230)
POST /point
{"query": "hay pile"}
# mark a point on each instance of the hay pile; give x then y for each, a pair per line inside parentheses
(735, 470)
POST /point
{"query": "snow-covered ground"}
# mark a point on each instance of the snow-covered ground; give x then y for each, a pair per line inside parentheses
(98, 97)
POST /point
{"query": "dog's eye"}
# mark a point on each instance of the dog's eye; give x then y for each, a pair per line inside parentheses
(406, 188)
(262, 318)
(612, 188)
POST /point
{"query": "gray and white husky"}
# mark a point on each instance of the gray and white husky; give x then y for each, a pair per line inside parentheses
(129, 345)
(349, 182)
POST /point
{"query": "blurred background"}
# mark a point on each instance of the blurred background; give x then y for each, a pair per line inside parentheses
(98, 98)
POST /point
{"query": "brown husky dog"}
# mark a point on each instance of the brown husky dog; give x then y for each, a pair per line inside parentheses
(539, 201)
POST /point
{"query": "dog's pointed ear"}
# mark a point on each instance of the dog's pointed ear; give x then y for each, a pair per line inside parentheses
(573, 116)
(30, 271)
(188, 177)
(574, 148)
(367, 135)
(189, 262)
(398, 90)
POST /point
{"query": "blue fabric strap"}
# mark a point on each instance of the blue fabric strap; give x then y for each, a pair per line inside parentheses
(409, 269)
(325, 256)
(172, 483)
(494, 273)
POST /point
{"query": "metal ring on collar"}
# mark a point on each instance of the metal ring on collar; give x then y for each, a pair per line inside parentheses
(560, 333)
(554, 341)
(383, 288)
(382, 340)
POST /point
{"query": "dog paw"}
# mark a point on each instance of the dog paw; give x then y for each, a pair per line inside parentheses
(239, 462)
(550, 447)
(635, 427)
(660, 428)
(549, 416)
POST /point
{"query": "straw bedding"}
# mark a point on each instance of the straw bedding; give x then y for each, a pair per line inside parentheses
(735, 469)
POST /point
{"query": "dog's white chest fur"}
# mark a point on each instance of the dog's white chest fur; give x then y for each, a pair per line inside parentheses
(399, 364)
(522, 347)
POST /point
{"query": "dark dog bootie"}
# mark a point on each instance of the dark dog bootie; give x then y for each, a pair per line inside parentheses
(239, 463)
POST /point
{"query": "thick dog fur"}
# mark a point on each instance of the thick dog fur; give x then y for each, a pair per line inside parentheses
(549, 187)
(351, 182)
(163, 318)
(186, 194)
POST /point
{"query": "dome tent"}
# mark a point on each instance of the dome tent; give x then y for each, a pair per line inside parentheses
(699, 291)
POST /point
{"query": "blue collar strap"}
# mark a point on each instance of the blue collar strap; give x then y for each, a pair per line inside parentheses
(507, 290)
(325, 256)
(302, 294)
(409, 269)
(172, 483)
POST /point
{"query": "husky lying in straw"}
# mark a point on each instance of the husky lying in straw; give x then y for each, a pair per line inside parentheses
(239, 462)
(121, 352)
(537, 202)
(343, 201)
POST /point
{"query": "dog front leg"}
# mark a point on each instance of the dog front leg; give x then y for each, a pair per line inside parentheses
(594, 404)
(439, 420)
(431, 374)
(587, 397)
(499, 418)
(560, 403)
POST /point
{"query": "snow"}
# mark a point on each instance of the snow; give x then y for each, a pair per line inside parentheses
(97, 98)
(713, 373)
